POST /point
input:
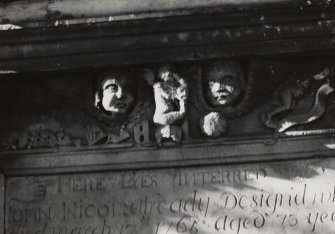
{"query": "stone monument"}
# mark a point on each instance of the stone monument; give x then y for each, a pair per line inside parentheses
(175, 117)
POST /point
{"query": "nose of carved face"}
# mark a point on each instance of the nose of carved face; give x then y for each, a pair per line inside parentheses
(118, 102)
(220, 93)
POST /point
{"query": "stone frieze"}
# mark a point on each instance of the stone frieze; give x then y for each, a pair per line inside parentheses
(164, 105)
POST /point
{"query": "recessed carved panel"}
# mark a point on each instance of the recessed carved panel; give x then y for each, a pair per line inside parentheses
(167, 104)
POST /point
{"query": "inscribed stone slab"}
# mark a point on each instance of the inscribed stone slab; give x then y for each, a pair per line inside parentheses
(277, 197)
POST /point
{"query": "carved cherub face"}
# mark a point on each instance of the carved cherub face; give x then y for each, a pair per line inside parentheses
(118, 94)
(224, 84)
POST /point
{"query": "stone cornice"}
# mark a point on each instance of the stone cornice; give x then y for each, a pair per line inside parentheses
(46, 13)
(177, 38)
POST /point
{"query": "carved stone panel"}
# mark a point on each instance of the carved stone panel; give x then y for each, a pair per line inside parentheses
(277, 197)
(158, 105)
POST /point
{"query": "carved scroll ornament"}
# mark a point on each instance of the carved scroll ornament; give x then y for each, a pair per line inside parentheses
(291, 93)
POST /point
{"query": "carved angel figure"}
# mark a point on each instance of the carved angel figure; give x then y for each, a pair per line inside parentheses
(171, 93)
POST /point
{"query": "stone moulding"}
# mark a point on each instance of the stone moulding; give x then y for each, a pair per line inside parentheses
(92, 159)
(57, 13)
(178, 38)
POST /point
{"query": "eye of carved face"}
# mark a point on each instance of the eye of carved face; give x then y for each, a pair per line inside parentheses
(118, 94)
(223, 84)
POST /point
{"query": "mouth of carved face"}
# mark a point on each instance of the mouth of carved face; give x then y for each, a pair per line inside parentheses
(222, 96)
(116, 106)
(121, 105)
(221, 99)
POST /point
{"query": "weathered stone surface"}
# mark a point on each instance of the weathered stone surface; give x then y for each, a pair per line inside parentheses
(278, 197)
(112, 9)
(56, 43)
(51, 125)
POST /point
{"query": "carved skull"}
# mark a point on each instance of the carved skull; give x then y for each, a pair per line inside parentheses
(223, 83)
(118, 93)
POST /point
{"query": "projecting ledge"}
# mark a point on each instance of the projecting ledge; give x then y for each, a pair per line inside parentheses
(224, 152)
